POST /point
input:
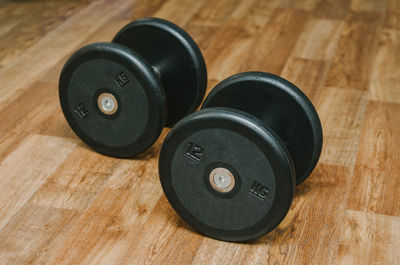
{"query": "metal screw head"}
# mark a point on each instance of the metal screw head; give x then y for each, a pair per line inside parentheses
(107, 103)
(221, 179)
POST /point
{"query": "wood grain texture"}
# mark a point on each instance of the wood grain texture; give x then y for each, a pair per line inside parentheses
(308, 75)
(369, 239)
(392, 18)
(385, 79)
(275, 42)
(318, 39)
(62, 203)
(24, 31)
(352, 62)
(373, 182)
(342, 131)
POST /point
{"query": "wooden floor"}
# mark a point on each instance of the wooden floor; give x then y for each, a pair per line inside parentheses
(62, 203)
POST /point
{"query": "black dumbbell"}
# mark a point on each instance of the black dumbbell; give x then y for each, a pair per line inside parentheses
(230, 169)
(118, 96)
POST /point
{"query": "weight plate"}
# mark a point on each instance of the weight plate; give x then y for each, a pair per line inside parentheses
(112, 99)
(280, 105)
(176, 57)
(226, 175)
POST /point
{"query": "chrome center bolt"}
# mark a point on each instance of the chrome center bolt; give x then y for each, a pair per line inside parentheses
(221, 179)
(107, 103)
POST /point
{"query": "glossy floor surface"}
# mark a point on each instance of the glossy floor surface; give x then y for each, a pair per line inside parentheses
(62, 203)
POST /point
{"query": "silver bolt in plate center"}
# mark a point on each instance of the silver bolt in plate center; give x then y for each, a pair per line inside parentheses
(107, 103)
(221, 179)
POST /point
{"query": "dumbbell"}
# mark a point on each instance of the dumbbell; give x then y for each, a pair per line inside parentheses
(229, 170)
(118, 96)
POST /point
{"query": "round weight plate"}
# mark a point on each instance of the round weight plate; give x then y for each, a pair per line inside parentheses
(112, 99)
(226, 175)
(280, 105)
(176, 58)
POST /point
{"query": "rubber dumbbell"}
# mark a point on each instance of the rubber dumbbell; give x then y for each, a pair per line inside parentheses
(118, 96)
(230, 169)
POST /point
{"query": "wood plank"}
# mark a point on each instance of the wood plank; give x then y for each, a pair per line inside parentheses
(103, 34)
(202, 35)
(63, 37)
(376, 183)
(369, 239)
(216, 252)
(26, 169)
(31, 233)
(24, 31)
(318, 39)
(164, 239)
(215, 13)
(9, 142)
(35, 111)
(99, 230)
(307, 75)
(7, 26)
(205, 33)
(392, 18)
(68, 192)
(341, 112)
(75, 184)
(352, 62)
(302, 237)
(368, 5)
(227, 53)
(385, 78)
(250, 15)
(142, 9)
(273, 45)
(332, 9)
(308, 5)
(110, 225)
(26, 112)
(179, 11)
(106, 33)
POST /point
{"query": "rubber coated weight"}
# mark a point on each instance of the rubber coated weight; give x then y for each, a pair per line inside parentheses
(115, 99)
(97, 69)
(233, 140)
(229, 170)
(281, 106)
(176, 57)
